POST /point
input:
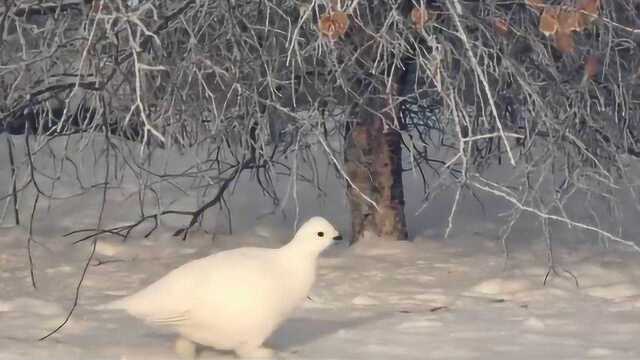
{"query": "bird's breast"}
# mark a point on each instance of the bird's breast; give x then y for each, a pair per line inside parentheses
(296, 281)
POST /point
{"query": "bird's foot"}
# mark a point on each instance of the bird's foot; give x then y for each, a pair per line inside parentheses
(186, 349)
(255, 353)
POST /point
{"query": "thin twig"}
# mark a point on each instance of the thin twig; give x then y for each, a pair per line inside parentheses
(14, 180)
(77, 292)
(30, 240)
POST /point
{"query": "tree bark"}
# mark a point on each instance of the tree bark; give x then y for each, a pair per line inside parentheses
(373, 163)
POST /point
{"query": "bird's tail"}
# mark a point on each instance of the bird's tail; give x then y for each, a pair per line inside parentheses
(120, 304)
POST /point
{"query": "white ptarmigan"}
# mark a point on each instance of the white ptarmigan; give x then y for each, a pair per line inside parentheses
(234, 299)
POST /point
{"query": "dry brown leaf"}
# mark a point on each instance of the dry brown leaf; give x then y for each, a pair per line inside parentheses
(591, 7)
(565, 43)
(569, 20)
(537, 5)
(591, 66)
(419, 17)
(589, 11)
(501, 25)
(549, 20)
(333, 24)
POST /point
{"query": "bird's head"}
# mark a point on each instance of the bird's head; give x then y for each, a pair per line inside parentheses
(316, 235)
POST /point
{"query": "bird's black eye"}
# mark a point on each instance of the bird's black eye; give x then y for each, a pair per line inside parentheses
(320, 233)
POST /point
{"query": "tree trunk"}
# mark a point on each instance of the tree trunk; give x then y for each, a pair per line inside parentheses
(373, 163)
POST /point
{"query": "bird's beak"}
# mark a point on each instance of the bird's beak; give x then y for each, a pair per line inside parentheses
(337, 237)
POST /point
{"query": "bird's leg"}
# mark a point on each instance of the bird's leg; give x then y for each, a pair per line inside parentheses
(254, 352)
(186, 349)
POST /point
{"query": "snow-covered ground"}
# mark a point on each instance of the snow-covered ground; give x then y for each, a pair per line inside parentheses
(428, 299)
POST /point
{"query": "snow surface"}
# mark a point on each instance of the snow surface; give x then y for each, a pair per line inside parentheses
(429, 299)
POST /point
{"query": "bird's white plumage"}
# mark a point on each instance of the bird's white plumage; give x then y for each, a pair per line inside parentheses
(235, 299)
